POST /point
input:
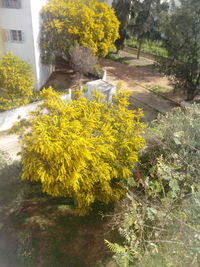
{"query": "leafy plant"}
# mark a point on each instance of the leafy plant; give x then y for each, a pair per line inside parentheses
(85, 149)
(183, 48)
(83, 60)
(16, 81)
(156, 88)
(25, 249)
(155, 48)
(123, 10)
(159, 220)
(88, 22)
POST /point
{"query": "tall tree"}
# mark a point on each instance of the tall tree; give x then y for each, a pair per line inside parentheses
(123, 11)
(139, 18)
(146, 22)
(183, 47)
(88, 22)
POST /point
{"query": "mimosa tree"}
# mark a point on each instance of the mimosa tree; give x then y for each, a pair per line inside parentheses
(86, 149)
(16, 81)
(88, 22)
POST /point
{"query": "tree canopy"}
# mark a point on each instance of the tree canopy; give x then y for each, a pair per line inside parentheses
(141, 19)
(123, 10)
(183, 47)
(16, 81)
(85, 149)
(88, 22)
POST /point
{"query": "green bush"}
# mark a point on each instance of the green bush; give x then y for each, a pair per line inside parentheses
(160, 219)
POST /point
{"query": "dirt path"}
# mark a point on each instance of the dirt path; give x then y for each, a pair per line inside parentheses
(10, 145)
(135, 79)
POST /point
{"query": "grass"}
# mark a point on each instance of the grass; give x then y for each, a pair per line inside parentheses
(159, 89)
(153, 48)
(156, 88)
(38, 230)
(116, 58)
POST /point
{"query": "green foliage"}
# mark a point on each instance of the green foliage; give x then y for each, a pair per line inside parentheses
(16, 81)
(160, 218)
(85, 149)
(88, 22)
(142, 19)
(116, 58)
(183, 48)
(4, 159)
(147, 20)
(157, 88)
(25, 249)
(177, 151)
(154, 48)
(35, 97)
(123, 10)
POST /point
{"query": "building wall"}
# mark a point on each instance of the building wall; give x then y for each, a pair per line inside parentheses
(42, 71)
(1, 43)
(7, 118)
(26, 19)
(19, 19)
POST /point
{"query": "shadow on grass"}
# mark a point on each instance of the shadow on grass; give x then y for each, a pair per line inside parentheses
(38, 230)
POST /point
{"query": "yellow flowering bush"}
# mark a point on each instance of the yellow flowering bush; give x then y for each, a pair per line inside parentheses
(88, 22)
(85, 149)
(16, 81)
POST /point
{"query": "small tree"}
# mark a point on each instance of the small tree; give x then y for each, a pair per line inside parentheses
(85, 149)
(183, 47)
(146, 21)
(83, 60)
(16, 81)
(123, 11)
(88, 22)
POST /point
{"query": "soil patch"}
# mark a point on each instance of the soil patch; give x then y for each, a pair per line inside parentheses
(142, 72)
(64, 77)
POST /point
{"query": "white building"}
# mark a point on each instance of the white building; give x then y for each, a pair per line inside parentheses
(20, 33)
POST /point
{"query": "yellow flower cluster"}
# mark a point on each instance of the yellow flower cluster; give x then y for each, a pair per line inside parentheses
(16, 81)
(90, 23)
(85, 149)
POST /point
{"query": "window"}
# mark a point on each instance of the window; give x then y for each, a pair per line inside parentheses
(15, 36)
(12, 3)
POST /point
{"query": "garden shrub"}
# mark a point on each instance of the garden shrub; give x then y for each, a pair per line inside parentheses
(16, 82)
(85, 149)
(159, 220)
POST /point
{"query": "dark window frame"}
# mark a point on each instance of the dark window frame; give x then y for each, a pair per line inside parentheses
(16, 4)
(15, 36)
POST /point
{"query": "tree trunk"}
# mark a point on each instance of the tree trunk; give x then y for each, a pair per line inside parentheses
(80, 80)
(190, 94)
(139, 48)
